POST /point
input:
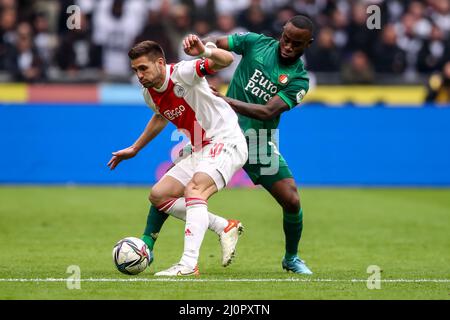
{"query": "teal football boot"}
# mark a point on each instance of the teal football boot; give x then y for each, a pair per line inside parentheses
(295, 265)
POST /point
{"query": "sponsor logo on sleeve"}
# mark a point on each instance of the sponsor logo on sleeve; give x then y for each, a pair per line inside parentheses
(300, 95)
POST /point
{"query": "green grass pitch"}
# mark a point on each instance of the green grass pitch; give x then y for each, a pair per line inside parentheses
(406, 232)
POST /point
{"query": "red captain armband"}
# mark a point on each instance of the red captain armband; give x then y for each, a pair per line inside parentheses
(202, 68)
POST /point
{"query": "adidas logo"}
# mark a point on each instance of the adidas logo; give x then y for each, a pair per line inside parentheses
(154, 235)
(188, 232)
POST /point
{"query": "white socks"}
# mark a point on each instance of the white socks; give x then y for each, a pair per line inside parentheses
(177, 209)
(194, 232)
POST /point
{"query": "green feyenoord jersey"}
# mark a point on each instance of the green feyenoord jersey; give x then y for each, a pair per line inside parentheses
(260, 76)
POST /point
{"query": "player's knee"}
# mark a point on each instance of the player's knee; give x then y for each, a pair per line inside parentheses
(156, 197)
(152, 198)
(291, 203)
(192, 190)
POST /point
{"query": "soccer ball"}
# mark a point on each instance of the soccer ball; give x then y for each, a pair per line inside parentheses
(131, 256)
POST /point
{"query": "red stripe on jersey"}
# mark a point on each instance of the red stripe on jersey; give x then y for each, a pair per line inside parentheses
(178, 111)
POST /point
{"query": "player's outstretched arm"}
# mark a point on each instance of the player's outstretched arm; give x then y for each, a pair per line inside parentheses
(218, 58)
(271, 110)
(153, 128)
(219, 42)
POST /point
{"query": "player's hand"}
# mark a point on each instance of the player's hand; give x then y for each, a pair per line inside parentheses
(215, 91)
(120, 155)
(193, 46)
(218, 94)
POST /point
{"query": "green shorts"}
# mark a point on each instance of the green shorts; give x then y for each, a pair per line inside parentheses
(266, 174)
(259, 172)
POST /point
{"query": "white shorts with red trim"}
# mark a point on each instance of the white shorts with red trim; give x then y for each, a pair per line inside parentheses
(220, 160)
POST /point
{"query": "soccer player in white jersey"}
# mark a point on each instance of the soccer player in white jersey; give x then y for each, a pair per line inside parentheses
(179, 93)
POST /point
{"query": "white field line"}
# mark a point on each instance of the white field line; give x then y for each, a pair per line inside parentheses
(217, 280)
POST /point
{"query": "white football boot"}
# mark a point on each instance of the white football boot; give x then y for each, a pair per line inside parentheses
(178, 270)
(228, 240)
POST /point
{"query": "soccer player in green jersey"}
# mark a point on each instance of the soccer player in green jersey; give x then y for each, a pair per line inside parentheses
(269, 80)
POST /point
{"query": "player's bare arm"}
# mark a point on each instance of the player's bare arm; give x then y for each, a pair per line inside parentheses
(218, 58)
(153, 128)
(220, 42)
(271, 110)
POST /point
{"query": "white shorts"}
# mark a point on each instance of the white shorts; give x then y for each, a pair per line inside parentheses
(220, 160)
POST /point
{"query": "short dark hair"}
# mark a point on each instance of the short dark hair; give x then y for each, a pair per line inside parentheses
(302, 22)
(148, 48)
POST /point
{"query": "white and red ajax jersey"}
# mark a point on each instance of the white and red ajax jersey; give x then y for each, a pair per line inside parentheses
(186, 100)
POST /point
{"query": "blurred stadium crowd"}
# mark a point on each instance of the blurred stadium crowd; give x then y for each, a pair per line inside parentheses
(36, 44)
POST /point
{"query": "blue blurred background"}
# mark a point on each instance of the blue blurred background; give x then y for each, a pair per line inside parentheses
(349, 145)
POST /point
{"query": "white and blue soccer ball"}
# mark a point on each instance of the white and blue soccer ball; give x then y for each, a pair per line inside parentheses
(131, 256)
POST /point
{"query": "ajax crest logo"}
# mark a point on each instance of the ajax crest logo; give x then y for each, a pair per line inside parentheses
(179, 91)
